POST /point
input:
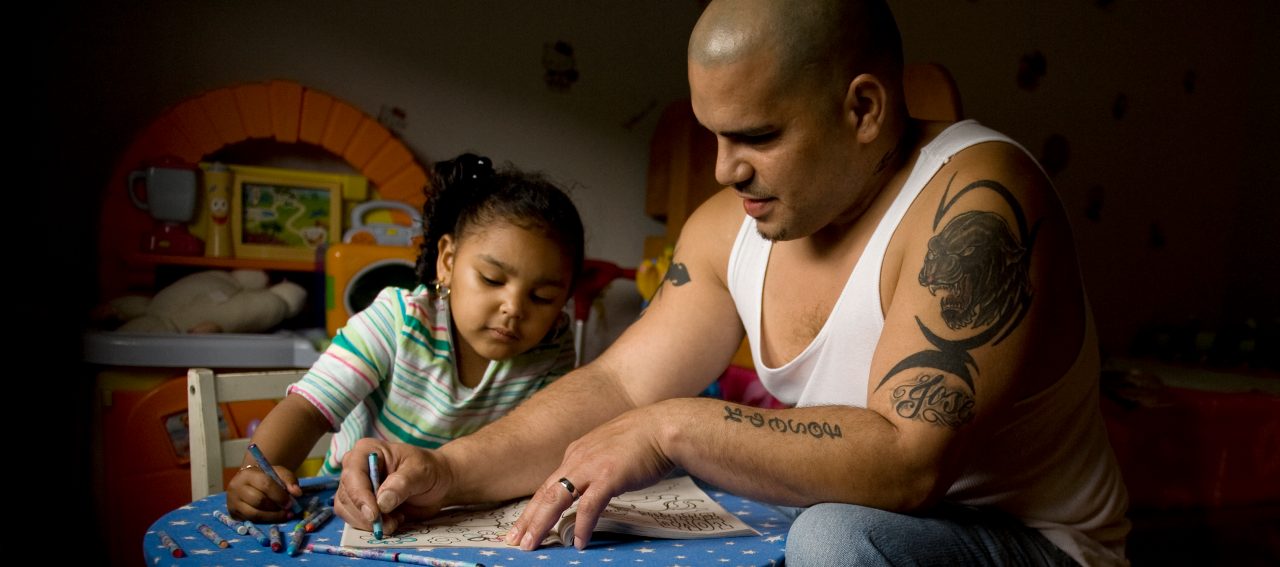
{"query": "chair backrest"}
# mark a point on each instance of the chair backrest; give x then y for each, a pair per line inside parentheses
(207, 389)
(931, 92)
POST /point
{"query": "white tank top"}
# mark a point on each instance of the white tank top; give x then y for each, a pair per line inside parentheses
(1070, 490)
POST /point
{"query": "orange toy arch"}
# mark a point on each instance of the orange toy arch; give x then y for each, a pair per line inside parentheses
(283, 111)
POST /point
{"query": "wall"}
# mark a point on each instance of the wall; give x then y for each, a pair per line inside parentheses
(469, 76)
(1171, 199)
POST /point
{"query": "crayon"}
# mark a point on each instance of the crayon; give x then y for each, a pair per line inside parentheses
(319, 519)
(212, 535)
(329, 483)
(313, 506)
(172, 545)
(375, 480)
(393, 556)
(257, 533)
(295, 540)
(224, 518)
(274, 534)
(266, 467)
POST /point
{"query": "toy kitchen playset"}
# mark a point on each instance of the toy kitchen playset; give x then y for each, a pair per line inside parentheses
(229, 266)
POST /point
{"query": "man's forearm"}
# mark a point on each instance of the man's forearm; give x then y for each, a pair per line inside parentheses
(795, 457)
(512, 456)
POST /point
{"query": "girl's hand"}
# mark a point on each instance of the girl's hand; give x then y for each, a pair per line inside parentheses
(252, 495)
(415, 482)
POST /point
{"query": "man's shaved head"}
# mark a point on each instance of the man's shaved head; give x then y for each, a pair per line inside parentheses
(824, 40)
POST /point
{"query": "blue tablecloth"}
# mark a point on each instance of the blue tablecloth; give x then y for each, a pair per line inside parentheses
(766, 549)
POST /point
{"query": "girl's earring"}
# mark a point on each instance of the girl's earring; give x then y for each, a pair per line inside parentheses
(440, 290)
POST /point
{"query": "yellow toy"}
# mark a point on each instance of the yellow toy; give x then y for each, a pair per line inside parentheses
(650, 273)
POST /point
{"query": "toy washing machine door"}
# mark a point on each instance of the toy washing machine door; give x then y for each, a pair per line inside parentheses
(356, 273)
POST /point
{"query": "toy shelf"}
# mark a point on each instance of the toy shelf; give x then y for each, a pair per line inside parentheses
(144, 260)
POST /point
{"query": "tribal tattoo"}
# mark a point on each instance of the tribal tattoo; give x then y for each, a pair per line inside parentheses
(978, 266)
(677, 274)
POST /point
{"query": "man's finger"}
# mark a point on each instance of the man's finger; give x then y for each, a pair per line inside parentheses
(544, 509)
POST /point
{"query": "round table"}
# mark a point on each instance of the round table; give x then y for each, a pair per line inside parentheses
(181, 524)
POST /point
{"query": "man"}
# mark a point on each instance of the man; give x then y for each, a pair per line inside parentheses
(911, 286)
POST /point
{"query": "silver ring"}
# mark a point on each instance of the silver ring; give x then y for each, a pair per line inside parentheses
(573, 493)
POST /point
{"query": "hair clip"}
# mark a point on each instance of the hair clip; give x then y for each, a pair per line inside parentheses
(466, 167)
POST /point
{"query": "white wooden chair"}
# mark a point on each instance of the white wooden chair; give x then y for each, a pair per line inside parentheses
(205, 390)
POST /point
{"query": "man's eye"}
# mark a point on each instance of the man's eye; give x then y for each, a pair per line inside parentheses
(490, 281)
(543, 300)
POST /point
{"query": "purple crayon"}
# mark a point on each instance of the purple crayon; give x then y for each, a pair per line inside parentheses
(213, 536)
(172, 545)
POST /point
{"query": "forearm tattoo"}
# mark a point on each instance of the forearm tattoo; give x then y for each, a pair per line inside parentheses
(978, 267)
(778, 425)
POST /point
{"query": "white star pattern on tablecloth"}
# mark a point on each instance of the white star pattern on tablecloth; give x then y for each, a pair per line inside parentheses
(773, 539)
(202, 552)
(488, 553)
(646, 550)
(180, 523)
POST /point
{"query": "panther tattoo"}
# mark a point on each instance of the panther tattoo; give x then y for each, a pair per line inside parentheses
(979, 268)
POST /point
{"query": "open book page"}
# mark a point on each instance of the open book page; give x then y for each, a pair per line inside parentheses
(673, 508)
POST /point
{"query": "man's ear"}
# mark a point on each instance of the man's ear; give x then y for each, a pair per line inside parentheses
(865, 105)
(446, 253)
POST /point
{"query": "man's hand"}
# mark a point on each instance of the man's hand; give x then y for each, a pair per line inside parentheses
(415, 483)
(623, 454)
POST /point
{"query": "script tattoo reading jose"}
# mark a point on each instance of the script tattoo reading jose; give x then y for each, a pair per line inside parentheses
(977, 266)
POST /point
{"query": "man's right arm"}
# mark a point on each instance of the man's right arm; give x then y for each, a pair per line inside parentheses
(681, 342)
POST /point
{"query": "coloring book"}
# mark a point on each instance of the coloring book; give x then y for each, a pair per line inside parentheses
(674, 508)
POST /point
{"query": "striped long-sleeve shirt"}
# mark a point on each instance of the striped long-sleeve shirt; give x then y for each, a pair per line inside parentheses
(390, 374)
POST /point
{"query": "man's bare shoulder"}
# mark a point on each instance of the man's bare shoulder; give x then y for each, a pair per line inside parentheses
(712, 228)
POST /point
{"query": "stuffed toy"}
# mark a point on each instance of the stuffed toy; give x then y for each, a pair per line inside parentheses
(212, 302)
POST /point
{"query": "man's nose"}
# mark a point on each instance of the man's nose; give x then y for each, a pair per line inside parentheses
(731, 168)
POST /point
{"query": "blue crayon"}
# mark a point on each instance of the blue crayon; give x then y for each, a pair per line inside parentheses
(327, 484)
(225, 519)
(295, 540)
(375, 480)
(274, 534)
(213, 536)
(266, 467)
(313, 506)
(257, 533)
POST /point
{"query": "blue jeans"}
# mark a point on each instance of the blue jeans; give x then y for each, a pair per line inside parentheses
(948, 534)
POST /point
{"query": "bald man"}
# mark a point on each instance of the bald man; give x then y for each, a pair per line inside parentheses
(911, 287)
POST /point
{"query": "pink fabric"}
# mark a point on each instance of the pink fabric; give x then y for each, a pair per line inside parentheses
(741, 385)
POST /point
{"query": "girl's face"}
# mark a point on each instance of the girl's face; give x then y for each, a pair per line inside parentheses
(508, 286)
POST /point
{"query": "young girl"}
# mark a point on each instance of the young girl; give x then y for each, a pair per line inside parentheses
(484, 330)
